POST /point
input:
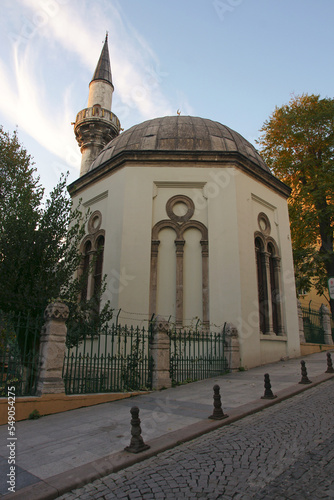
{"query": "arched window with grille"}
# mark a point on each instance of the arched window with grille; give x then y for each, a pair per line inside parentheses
(268, 270)
(274, 288)
(98, 265)
(85, 270)
(262, 285)
(92, 249)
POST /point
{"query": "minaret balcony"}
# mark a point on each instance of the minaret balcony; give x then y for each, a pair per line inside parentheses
(98, 113)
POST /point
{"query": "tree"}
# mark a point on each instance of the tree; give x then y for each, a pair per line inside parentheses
(298, 145)
(39, 242)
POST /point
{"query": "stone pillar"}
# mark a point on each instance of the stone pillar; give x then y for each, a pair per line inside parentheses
(300, 322)
(269, 331)
(326, 324)
(233, 346)
(90, 277)
(205, 282)
(160, 350)
(154, 276)
(179, 244)
(52, 349)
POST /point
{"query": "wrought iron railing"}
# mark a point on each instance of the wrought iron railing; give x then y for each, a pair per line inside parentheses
(19, 353)
(313, 330)
(197, 355)
(115, 359)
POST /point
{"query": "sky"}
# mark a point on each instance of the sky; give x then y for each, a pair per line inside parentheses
(231, 61)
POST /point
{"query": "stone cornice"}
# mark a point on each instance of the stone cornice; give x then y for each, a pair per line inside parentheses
(209, 159)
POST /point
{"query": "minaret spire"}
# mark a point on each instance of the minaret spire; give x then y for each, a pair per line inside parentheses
(96, 125)
(103, 69)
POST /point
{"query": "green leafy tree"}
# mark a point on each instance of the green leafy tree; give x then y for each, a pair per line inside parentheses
(297, 142)
(39, 242)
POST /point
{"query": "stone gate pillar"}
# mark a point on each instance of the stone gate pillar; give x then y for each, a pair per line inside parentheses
(233, 346)
(300, 322)
(326, 323)
(160, 350)
(52, 349)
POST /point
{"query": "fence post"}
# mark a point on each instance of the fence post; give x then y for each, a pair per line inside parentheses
(326, 323)
(160, 350)
(52, 349)
(300, 323)
(233, 346)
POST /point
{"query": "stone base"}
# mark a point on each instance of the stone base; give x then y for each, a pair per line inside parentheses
(54, 386)
(161, 380)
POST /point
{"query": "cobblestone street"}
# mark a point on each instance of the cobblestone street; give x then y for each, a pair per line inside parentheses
(284, 452)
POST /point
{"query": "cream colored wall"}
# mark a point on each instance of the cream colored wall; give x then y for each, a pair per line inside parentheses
(192, 278)
(253, 198)
(224, 273)
(227, 201)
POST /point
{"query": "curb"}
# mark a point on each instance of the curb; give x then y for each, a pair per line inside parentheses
(55, 486)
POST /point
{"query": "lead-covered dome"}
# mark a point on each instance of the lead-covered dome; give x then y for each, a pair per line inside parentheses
(179, 133)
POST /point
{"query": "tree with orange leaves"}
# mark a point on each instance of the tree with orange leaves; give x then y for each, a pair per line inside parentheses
(297, 142)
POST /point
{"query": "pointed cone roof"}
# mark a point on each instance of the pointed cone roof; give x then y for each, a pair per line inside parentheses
(103, 69)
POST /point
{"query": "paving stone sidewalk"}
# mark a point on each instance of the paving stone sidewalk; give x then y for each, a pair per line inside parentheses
(283, 452)
(58, 444)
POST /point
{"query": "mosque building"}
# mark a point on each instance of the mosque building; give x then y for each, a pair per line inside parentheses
(192, 224)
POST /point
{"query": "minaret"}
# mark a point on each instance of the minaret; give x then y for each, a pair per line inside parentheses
(96, 125)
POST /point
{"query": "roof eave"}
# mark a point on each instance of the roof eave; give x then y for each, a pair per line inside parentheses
(216, 158)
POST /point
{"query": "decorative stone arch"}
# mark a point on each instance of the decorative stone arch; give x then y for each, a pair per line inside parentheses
(268, 265)
(95, 239)
(271, 242)
(94, 222)
(264, 223)
(87, 239)
(166, 224)
(259, 236)
(97, 236)
(180, 224)
(180, 198)
(197, 225)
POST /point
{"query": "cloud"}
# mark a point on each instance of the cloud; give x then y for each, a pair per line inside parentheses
(70, 31)
(22, 99)
(135, 66)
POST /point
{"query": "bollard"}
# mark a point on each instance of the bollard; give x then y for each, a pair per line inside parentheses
(305, 379)
(268, 393)
(137, 444)
(330, 368)
(218, 413)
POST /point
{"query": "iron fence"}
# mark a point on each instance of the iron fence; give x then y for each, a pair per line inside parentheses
(19, 353)
(197, 355)
(114, 360)
(313, 330)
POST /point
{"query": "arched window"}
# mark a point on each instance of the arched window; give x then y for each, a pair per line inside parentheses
(98, 265)
(274, 288)
(180, 209)
(262, 285)
(268, 279)
(85, 270)
(92, 258)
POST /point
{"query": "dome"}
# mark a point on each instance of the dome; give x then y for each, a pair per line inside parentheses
(179, 133)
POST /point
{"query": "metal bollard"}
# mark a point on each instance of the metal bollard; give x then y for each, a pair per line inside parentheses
(305, 379)
(330, 368)
(218, 413)
(137, 444)
(268, 393)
